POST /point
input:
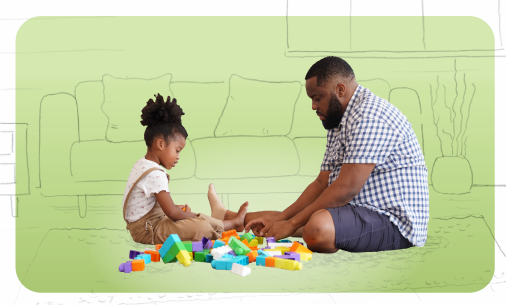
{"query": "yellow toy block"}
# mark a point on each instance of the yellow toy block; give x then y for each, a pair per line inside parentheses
(304, 256)
(288, 264)
(191, 255)
(184, 258)
(283, 249)
(260, 239)
(254, 243)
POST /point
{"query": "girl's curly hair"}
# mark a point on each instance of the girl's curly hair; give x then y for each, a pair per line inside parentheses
(162, 119)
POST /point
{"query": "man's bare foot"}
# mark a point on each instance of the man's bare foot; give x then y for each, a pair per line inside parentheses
(218, 210)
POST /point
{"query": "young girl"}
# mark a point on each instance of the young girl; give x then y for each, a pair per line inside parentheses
(148, 209)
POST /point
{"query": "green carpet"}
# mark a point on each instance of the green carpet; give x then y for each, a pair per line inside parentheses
(458, 257)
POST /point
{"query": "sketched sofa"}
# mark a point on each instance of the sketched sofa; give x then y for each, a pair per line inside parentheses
(247, 136)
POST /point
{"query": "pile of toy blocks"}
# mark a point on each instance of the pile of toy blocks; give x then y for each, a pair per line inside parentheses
(231, 252)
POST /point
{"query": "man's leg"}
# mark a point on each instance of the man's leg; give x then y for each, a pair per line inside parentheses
(354, 229)
(319, 232)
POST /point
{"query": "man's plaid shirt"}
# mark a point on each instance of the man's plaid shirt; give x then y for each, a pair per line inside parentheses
(374, 131)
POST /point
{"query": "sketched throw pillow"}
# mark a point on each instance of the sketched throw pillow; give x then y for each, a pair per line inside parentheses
(258, 108)
(123, 100)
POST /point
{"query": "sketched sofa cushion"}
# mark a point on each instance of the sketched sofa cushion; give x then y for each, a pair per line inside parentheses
(258, 108)
(123, 101)
(100, 160)
(245, 157)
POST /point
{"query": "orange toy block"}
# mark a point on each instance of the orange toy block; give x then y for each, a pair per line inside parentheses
(229, 233)
(246, 243)
(297, 247)
(158, 246)
(155, 256)
(270, 261)
(252, 256)
(254, 248)
(138, 265)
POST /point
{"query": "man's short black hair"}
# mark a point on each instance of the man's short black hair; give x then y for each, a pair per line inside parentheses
(329, 67)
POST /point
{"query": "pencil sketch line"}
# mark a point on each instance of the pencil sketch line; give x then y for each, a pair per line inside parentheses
(423, 23)
(63, 51)
(287, 21)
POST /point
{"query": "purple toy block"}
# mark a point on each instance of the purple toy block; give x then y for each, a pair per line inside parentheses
(197, 246)
(232, 252)
(126, 267)
(270, 240)
(295, 257)
(206, 243)
(133, 254)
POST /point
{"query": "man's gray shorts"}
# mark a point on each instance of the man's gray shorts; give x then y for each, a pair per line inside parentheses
(358, 229)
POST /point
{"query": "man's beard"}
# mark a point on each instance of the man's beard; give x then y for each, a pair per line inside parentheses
(332, 120)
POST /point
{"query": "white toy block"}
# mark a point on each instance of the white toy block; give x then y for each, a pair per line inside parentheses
(240, 269)
(274, 245)
(217, 253)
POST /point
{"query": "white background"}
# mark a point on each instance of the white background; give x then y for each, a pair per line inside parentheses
(14, 13)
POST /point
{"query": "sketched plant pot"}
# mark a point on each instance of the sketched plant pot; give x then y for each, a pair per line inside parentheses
(452, 175)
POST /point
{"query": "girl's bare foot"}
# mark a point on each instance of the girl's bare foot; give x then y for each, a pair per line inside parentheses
(238, 222)
(218, 210)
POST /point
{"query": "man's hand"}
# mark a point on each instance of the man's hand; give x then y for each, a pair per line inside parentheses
(281, 229)
(260, 225)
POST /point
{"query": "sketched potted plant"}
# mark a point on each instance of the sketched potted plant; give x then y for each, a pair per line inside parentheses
(451, 173)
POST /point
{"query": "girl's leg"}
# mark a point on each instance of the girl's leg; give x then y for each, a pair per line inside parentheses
(217, 208)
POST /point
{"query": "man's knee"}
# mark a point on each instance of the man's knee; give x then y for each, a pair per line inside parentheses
(319, 232)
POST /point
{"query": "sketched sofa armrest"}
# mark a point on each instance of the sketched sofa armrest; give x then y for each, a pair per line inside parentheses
(58, 130)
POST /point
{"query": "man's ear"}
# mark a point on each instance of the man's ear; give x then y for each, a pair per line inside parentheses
(340, 89)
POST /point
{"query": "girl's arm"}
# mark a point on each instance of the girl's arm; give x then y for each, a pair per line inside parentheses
(170, 209)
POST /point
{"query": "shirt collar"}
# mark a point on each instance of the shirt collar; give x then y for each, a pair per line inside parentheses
(350, 105)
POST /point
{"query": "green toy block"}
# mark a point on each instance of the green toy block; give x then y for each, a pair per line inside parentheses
(200, 255)
(238, 246)
(188, 245)
(172, 253)
(247, 236)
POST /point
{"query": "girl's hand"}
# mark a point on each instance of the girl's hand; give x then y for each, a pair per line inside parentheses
(185, 207)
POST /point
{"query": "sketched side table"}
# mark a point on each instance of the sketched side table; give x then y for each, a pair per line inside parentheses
(14, 177)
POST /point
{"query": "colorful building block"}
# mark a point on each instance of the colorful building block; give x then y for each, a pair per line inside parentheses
(302, 256)
(183, 258)
(241, 259)
(288, 264)
(240, 269)
(158, 246)
(229, 233)
(260, 239)
(155, 256)
(222, 264)
(245, 242)
(232, 252)
(172, 253)
(197, 246)
(273, 252)
(190, 255)
(138, 265)
(227, 256)
(260, 260)
(263, 253)
(252, 256)
(145, 257)
(125, 267)
(239, 247)
(270, 240)
(169, 242)
(270, 261)
(218, 252)
(253, 243)
(133, 254)
(207, 243)
(247, 236)
(294, 257)
(285, 241)
(188, 245)
(200, 255)
(218, 243)
(297, 247)
(208, 258)
(277, 244)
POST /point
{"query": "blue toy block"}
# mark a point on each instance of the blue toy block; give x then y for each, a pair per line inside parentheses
(284, 241)
(169, 242)
(263, 253)
(241, 260)
(133, 254)
(260, 261)
(228, 256)
(218, 243)
(222, 263)
(145, 257)
(208, 258)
